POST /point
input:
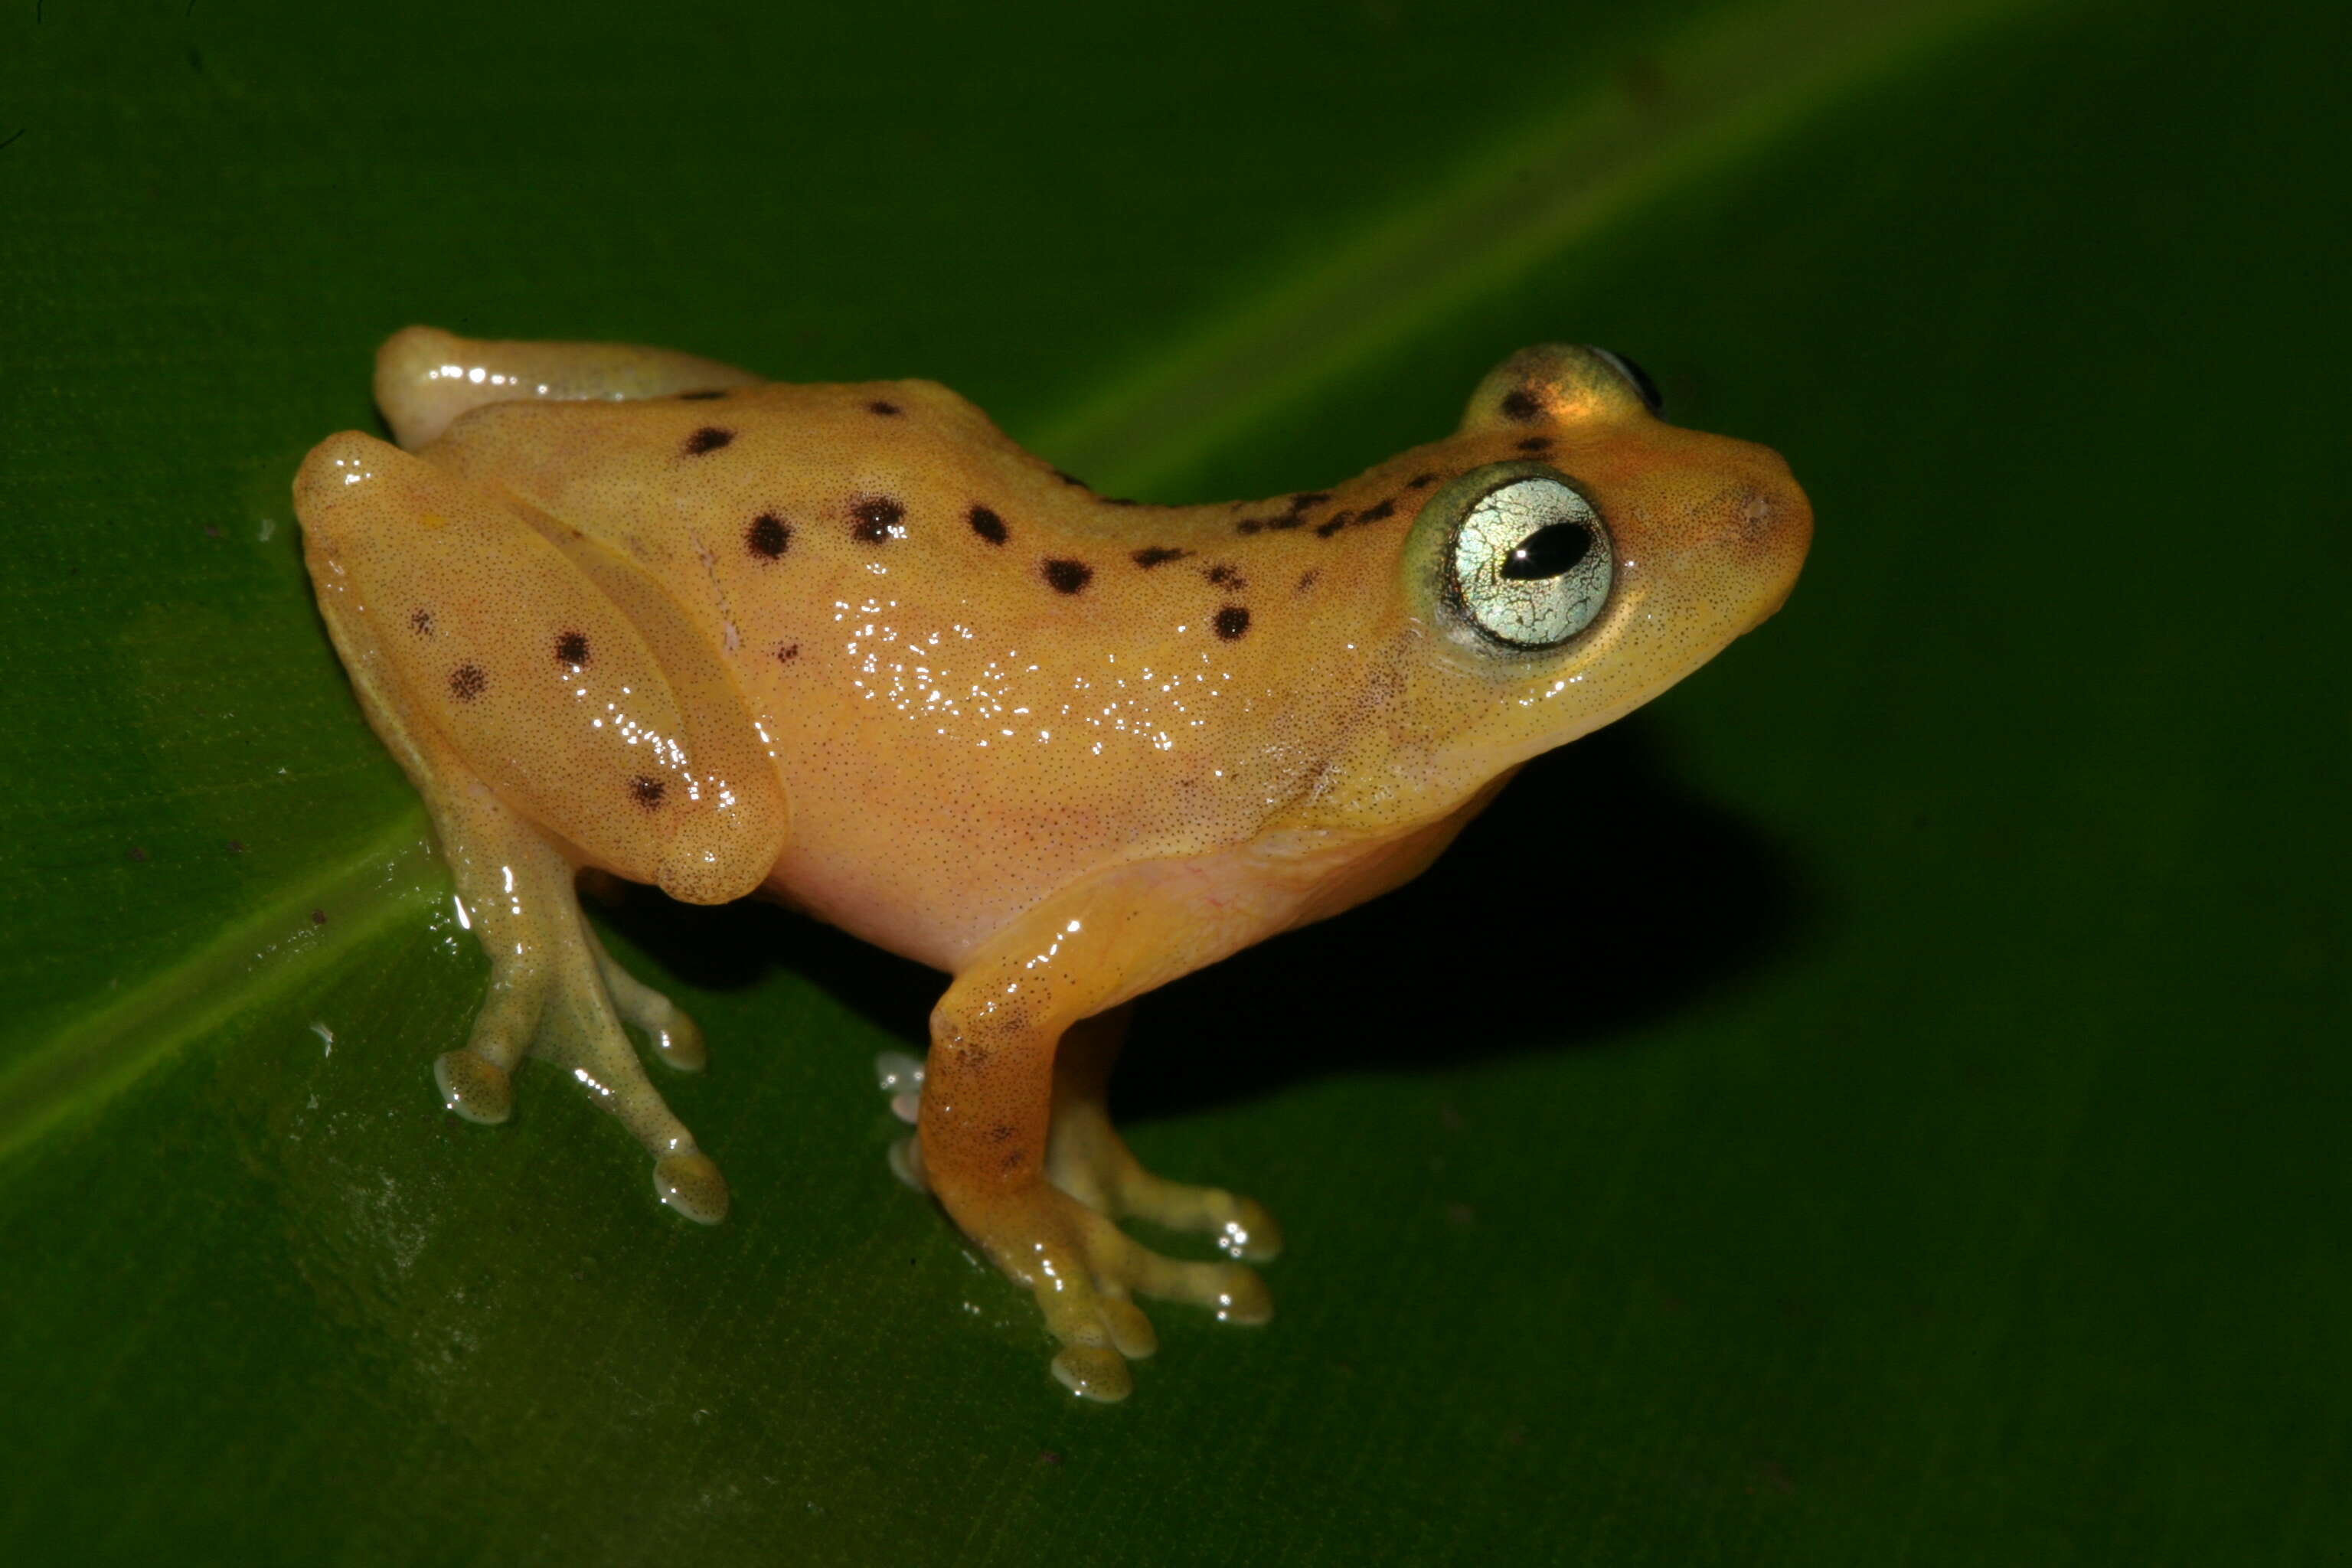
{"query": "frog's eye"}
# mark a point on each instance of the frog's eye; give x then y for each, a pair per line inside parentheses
(1531, 562)
(1638, 379)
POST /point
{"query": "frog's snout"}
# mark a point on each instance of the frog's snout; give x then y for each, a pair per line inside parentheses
(1771, 529)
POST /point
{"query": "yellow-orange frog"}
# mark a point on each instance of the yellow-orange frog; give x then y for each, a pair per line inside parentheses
(851, 648)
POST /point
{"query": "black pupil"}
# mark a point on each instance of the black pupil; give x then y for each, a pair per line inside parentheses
(1548, 551)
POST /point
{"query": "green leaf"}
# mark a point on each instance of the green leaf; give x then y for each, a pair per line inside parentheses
(1881, 1104)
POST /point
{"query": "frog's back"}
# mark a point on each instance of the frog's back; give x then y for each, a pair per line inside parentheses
(979, 678)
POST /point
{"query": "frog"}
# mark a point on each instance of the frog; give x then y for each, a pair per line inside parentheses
(629, 612)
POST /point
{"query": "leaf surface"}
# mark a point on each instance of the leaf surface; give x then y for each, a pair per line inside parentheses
(1907, 1131)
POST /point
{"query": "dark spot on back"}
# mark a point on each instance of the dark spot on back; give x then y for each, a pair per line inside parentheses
(1156, 555)
(880, 406)
(1248, 525)
(767, 536)
(1536, 443)
(468, 682)
(1338, 519)
(420, 621)
(571, 651)
(1306, 499)
(1224, 576)
(1306, 578)
(875, 519)
(1287, 520)
(1378, 511)
(1421, 481)
(699, 397)
(648, 791)
(988, 525)
(1232, 622)
(709, 439)
(789, 652)
(1521, 405)
(1067, 576)
(1069, 478)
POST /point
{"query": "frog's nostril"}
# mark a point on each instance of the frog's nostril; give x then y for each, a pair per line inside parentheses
(1772, 516)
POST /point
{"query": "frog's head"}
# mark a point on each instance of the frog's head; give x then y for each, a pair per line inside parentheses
(1584, 556)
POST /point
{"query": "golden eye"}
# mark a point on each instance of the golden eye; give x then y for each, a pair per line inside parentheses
(1532, 562)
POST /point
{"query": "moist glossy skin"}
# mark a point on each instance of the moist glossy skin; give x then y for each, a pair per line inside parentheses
(851, 648)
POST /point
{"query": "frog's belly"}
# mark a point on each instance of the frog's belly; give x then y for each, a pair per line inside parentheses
(930, 875)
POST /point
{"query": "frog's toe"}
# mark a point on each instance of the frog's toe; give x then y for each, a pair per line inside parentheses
(1119, 1265)
(689, 1181)
(677, 1039)
(1131, 1332)
(588, 1042)
(1092, 1162)
(1094, 1371)
(1242, 1227)
(476, 1082)
(477, 1089)
(1251, 1234)
(679, 1044)
(1236, 1294)
(1101, 1331)
(1100, 1334)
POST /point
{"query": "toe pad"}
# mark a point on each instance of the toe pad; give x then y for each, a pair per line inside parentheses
(476, 1090)
(689, 1183)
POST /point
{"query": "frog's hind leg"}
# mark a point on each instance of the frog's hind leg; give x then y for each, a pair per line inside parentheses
(515, 694)
(425, 378)
(553, 990)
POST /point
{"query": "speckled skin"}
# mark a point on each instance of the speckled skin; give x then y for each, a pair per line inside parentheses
(852, 647)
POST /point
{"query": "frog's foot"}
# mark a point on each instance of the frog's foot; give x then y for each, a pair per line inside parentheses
(676, 1039)
(1086, 1158)
(564, 998)
(556, 993)
(1085, 1272)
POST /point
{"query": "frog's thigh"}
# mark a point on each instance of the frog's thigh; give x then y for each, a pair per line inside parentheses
(425, 378)
(506, 649)
(1086, 1158)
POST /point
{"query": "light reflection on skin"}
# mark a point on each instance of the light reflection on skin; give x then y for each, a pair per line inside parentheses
(906, 673)
(481, 376)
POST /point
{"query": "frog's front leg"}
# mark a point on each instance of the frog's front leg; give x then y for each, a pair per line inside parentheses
(1086, 1158)
(987, 1128)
